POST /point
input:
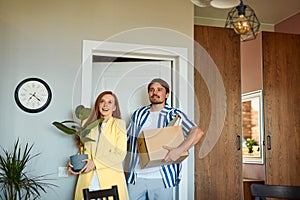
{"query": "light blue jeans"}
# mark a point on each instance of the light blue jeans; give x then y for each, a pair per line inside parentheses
(149, 189)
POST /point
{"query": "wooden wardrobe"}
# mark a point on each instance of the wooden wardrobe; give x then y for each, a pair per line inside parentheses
(218, 175)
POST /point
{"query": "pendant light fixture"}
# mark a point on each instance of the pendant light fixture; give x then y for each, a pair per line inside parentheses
(223, 4)
(244, 22)
(201, 3)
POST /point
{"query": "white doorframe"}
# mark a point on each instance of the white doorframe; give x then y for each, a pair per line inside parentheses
(180, 81)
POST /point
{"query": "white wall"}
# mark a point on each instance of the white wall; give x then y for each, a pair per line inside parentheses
(44, 39)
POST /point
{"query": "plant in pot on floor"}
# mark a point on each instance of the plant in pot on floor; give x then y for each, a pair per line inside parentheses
(15, 181)
(80, 131)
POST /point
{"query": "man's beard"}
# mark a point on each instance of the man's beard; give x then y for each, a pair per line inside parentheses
(157, 102)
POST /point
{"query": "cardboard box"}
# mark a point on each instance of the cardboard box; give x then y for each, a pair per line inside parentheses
(150, 145)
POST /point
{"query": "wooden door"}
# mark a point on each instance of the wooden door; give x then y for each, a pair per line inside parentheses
(281, 87)
(218, 175)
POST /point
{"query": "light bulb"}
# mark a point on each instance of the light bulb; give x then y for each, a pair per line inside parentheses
(242, 25)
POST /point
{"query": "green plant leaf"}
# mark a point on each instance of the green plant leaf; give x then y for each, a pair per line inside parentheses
(94, 123)
(77, 110)
(14, 180)
(64, 128)
(80, 130)
(70, 122)
(82, 113)
(84, 133)
(86, 139)
(89, 127)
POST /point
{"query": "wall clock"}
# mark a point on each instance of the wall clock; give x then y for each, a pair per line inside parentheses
(33, 95)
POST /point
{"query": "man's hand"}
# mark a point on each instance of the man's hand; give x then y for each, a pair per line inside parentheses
(193, 138)
(173, 154)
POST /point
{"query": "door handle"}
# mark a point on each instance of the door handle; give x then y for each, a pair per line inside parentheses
(269, 143)
(238, 142)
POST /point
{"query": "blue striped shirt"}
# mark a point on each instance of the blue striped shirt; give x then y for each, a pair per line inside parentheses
(171, 174)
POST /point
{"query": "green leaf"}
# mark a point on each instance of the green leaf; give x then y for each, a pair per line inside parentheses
(64, 128)
(70, 122)
(14, 180)
(77, 110)
(89, 127)
(82, 113)
(86, 139)
(84, 133)
(94, 123)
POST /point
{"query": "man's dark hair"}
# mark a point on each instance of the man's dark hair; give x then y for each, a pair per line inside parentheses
(160, 81)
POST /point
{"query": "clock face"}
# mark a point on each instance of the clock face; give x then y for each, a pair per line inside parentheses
(33, 95)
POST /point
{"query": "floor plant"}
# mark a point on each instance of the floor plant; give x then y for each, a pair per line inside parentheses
(15, 181)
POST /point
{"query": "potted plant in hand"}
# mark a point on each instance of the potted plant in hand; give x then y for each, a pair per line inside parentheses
(80, 131)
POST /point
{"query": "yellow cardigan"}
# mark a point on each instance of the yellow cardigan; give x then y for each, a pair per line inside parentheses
(108, 158)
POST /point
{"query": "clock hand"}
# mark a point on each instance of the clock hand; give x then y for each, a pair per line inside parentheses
(31, 96)
(36, 97)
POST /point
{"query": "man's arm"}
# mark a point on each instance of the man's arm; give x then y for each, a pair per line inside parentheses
(193, 138)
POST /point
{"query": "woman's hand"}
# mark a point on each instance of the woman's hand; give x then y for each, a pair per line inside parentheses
(70, 166)
(89, 166)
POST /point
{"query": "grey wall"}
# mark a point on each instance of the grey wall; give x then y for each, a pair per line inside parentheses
(44, 39)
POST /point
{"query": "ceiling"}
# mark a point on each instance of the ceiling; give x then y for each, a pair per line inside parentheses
(267, 11)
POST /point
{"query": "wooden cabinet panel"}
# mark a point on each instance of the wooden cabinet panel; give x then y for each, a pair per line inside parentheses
(218, 175)
(247, 187)
(281, 85)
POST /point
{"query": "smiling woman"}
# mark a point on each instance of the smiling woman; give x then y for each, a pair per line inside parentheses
(104, 168)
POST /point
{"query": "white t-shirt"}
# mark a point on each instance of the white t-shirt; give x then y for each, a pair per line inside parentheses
(95, 184)
(152, 172)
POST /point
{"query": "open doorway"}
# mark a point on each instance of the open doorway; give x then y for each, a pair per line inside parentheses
(127, 69)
